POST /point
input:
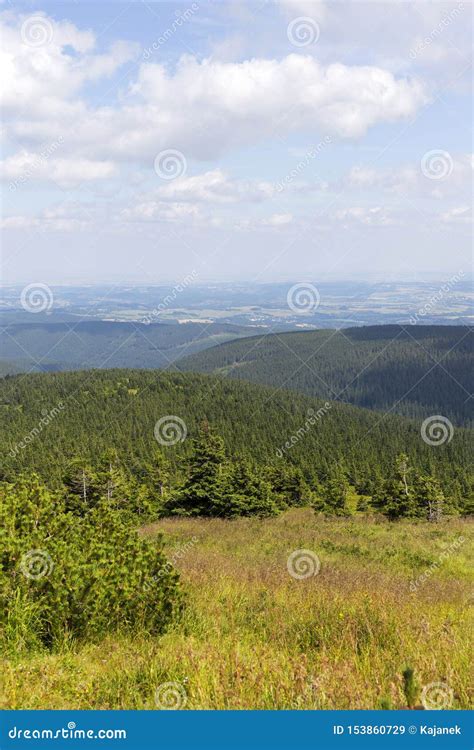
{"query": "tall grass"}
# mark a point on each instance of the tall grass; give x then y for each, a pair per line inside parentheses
(254, 637)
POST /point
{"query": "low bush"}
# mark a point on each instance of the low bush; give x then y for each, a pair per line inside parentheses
(64, 576)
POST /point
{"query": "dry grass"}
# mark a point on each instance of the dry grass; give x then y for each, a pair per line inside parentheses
(254, 637)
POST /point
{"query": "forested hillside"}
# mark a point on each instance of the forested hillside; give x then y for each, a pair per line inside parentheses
(416, 371)
(74, 345)
(105, 422)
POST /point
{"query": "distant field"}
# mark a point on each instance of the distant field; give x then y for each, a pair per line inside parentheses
(254, 637)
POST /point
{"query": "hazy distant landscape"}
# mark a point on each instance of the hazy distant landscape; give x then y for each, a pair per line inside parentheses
(156, 326)
(342, 304)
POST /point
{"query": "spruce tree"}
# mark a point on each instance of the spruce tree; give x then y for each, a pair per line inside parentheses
(429, 498)
(248, 493)
(204, 489)
(335, 494)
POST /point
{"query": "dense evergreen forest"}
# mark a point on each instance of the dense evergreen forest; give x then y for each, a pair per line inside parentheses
(247, 448)
(416, 371)
(80, 345)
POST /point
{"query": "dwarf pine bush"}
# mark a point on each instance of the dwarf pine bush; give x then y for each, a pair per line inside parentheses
(64, 576)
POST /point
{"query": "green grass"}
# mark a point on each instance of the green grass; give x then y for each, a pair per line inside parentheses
(254, 637)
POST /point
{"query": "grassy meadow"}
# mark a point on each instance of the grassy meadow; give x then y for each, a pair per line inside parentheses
(252, 636)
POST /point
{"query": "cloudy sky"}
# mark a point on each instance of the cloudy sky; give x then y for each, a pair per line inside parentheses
(143, 141)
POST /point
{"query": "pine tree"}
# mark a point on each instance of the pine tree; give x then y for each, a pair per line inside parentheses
(78, 481)
(248, 493)
(203, 491)
(289, 486)
(397, 498)
(429, 498)
(335, 494)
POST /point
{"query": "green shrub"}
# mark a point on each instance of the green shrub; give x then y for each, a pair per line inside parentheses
(64, 576)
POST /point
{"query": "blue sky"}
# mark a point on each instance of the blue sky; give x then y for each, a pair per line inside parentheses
(253, 141)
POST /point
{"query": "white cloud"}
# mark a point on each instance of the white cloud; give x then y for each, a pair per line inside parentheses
(68, 216)
(457, 215)
(40, 82)
(316, 9)
(157, 211)
(410, 180)
(223, 105)
(375, 216)
(203, 108)
(215, 187)
(26, 166)
(431, 37)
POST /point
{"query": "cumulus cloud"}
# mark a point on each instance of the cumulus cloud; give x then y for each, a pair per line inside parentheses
(204, 108)
(26, 166)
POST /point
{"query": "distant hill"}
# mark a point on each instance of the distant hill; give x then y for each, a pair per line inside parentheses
(48, 418)
(72, 345)
(415, 370)
(9, 367)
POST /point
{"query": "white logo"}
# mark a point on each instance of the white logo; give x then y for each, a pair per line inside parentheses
(303, 31)
(36, 564)
(170, 696)
(36, 298)
(303, 563)
(36, 31)
(170, 164)
(170, 430)
(436, 696)
(437, 430)
(303, 298)
(436, 164)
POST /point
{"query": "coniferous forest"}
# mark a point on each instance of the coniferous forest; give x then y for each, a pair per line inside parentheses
(110, 480)
(101, 424)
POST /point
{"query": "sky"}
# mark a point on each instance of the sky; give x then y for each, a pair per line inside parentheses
(283, 139)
